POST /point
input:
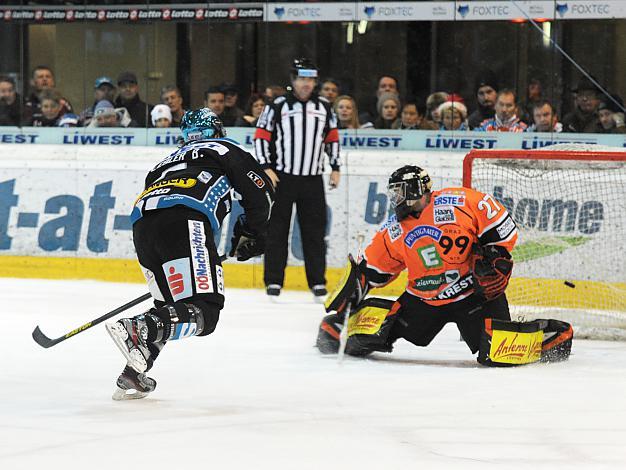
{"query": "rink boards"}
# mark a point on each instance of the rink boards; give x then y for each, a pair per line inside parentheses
(64, 214)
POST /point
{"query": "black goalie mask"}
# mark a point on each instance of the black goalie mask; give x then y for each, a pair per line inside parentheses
(406, 185)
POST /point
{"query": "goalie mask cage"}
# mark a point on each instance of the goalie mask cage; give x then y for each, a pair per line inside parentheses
(570, 206)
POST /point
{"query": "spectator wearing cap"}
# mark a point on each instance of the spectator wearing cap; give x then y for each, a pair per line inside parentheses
(253, 110)
(486, 87)
(128, 98)
(214, 100)
(412, 118)
(505, 119)
(42, 79)
(611, 115)
(106, 115)
(10, 112)
(51, 105)
(584, 118)
(161, 116)
(232, 113)
(104, 89)
(330, 90)
(544, 118)
(453, 116)
(388, 111)
(171, 96)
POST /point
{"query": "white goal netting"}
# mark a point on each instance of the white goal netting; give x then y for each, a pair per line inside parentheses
(569, 202)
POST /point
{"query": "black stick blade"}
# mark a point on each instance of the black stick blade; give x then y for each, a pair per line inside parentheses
(42, 340)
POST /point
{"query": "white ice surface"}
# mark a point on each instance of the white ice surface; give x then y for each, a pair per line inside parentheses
(256, 395)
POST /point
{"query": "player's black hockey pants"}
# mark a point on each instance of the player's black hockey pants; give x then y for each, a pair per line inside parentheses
(178, 257)
(307, 193)
(419, 322)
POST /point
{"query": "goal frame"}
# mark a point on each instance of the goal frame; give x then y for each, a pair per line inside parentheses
(571, 155)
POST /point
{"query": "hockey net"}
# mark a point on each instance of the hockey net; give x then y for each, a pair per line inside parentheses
(569, 202)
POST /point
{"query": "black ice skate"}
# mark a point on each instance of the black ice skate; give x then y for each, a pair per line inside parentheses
(319, 293)
(131, 385)
(129, 335)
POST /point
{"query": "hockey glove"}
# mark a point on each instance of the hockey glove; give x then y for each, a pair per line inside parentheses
(492, 267)
(245, 244)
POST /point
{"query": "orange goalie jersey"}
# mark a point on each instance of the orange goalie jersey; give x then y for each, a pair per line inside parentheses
(436, 247)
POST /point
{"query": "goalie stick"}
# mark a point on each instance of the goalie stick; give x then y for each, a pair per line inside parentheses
(45, 342)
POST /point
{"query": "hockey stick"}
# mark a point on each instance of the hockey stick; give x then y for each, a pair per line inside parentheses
(343, 336)
(42, 340)
(45, 342)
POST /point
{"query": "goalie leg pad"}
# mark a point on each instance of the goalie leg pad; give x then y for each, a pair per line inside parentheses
(351, 289)
(369, 326)
(506, 343)
(557, 341)
(328, 334)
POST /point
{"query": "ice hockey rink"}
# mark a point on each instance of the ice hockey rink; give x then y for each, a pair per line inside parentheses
(257, 395)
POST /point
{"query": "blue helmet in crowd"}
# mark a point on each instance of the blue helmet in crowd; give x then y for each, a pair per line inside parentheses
(201, 124)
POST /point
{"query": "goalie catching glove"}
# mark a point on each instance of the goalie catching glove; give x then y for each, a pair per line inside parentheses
(492, 267)
(245, 243)
(350, 291)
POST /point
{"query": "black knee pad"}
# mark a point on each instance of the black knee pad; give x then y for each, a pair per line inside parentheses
(210, 313)
(328, 334)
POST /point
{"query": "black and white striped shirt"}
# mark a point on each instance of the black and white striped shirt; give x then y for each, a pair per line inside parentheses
(292, 134)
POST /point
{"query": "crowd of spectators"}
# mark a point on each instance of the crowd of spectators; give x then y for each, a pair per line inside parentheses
(118, 103)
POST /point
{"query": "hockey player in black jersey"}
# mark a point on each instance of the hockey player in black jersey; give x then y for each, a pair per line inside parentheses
(185, 199)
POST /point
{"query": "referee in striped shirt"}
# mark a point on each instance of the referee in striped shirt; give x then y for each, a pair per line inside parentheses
(291, 135)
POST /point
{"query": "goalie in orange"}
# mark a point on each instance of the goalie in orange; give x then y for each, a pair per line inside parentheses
(455, 244)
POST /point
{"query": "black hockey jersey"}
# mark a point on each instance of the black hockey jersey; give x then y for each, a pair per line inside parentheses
(202, 175)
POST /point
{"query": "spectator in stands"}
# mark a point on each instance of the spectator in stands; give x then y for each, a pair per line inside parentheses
(253, 110)
(106, 115)
(274, 91)
(611, 116)
(51, 106)
(41, 79)
(330, 90)
(433, 102)
(453, 116)
(348, 114)
(544, 118)
(104, 89)
(231, 112)
(386, 84)
(214, 99)
(486, 87)
(506, 119)
(161, 116)
(584, 118)
(388, 111)
(171, 96)
(412, 119)
(534, 94)
(129, 98)
(10, 112)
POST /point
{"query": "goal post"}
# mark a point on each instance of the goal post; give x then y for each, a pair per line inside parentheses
(570, 206)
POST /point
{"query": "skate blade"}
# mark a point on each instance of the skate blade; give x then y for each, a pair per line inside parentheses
(122, 395)
(112, 329)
